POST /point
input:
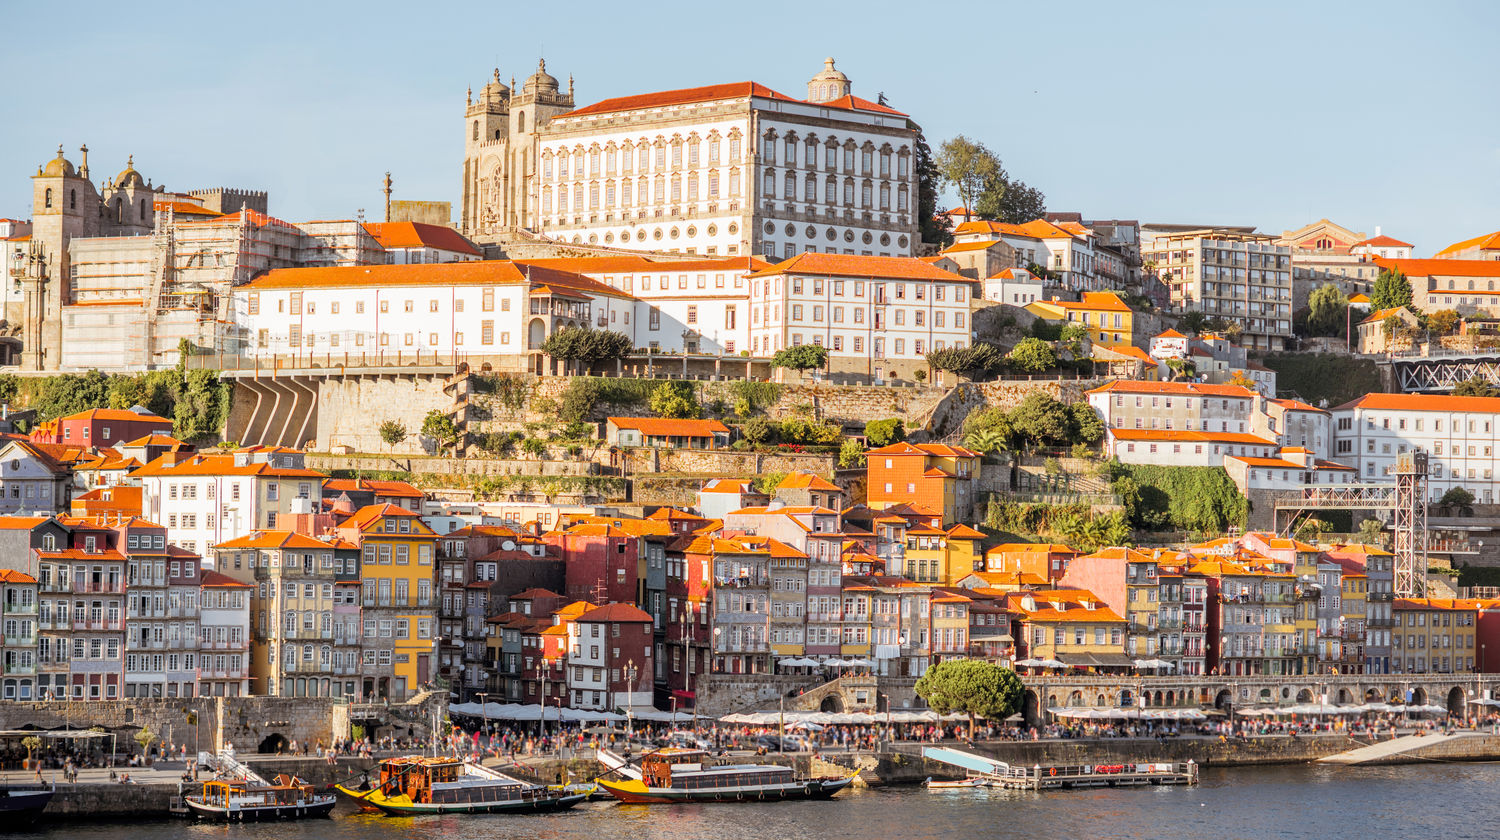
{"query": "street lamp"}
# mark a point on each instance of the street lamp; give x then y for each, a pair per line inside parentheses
(484, 713)
(629, 690)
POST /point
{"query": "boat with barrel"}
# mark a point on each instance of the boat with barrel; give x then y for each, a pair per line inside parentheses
(684, 775)
(21, 804)
(410, 785)
(253, 799)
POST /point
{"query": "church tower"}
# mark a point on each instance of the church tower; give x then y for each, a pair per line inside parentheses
(63, 205)
(501, 129)
(486, 134)
(828, 85)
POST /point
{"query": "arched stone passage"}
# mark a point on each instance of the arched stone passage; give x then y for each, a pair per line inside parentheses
(1156, 699)
(1456, 704)
(1029, 710)
(1305, 696)
(1419, 696)
(1344, 698)
(1099, 701)
(1076, 698)
(833, 703)
(272, 744)
(1372, 695)
(1223, 699)
(1171, 699)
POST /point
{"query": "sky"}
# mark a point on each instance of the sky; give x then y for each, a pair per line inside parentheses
(1273, 114)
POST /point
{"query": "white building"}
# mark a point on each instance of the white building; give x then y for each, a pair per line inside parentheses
(1183, 448)
(1066, 251)
(1170, 344)
(1013, 286)
(1457, 433)
(877, 316)
(1385, 247)
(491, 308)
(1290, 469)
(730, 169)
(204, 499)
(1296, 425)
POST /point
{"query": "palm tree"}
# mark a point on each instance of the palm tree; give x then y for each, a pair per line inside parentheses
(987, 440)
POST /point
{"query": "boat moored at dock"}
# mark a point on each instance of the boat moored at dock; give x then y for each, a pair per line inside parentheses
(254, 800)
(21, 804)
(419, 785)
(681, 775)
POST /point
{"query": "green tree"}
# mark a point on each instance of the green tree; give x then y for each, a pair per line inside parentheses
(676, 400)
(851, 454)
(392, 432)
(1018, 203)
(1312, 529)
(1475, 386)
(934, 231)
(1040, 418)
(766, 482)
(1443, 321)
(578, 400)
(1391, 290)
(1371, 532)
(1191, 322)
(990, 439)
(989, 429)
(885, 432)
(1460, 499)
(972, 687)
(1033, 355)
(1327, 311)
(800, 357)
(439, 426)
(758, 430)
(972, 170)
(1084, 422)
(145, 737)
(586, 347)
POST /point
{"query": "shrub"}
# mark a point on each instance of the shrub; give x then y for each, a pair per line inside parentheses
(757, 430)
(534, 447)
(675, 400)
(392, 432)
(800, 357)
(851, 454)
(578, 399)
(885, 432)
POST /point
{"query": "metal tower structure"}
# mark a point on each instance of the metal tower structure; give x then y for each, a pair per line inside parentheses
(1411, 525)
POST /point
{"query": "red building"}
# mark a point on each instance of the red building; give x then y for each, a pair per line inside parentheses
(102, 427)
(601, 563)
(611, 666)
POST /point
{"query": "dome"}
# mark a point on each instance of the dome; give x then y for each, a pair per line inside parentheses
(59, 166)
(129, 177)
(540, 80)
(830, 73)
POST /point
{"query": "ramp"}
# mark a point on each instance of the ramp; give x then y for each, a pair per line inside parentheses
(1387, 750)
(967, 760)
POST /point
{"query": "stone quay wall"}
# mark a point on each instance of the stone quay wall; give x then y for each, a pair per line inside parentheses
(243, 722)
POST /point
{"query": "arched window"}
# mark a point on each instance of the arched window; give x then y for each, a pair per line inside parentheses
(521, 122)
(849, 191)
(770, 184)
(497, 134)
(791, 187)
(546, 200)
(143, 209)
(810, 188)
(476, 129)
(72, 199)
(831, 191)
(885, 196)
(47, 201)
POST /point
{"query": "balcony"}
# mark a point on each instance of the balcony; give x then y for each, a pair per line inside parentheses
(105, 588)
(144, 644)
(20, 670)
(182, 612)
(221, 674)
(13, 608)
(98, 624)
(20, 641)
(216, 644)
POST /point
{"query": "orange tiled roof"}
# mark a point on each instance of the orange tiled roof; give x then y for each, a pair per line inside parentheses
(218, 579)
(850, 265)
(1136, 386)
(710, 93)
(274, 539)
(13, 576)
(940, 450)
(1169, 334)
(1382, 314)
(806, 481)
(1424, 402)
(220, 464)
(1092, 301)
(476, 272)
(1384, 242)
(665, 427)
(379, 487)
(392, 235)
(1190, 435)
(1442, 268)
(1485, 242)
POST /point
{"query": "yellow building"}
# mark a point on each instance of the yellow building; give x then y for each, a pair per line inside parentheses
(942, 558)
(1109, 321)
(1354, 589)
(950, 625)
(396, 577)
(858, 609)
(1071, 626)
(1433, 636)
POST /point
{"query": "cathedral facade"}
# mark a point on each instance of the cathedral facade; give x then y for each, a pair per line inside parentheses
(724, 170)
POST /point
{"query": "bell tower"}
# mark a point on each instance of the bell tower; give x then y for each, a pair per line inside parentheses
(486, 136)
(63, 205)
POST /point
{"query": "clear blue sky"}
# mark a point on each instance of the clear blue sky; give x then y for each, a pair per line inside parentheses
(1273, 113)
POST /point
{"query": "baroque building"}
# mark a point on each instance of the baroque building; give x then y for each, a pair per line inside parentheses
(722, 170)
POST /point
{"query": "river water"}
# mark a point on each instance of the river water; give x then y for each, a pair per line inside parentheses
(1448, 801)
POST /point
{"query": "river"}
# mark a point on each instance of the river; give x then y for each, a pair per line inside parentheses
(1448, 801)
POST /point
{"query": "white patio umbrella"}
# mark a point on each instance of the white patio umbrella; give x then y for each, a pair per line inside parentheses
(1029, 663)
